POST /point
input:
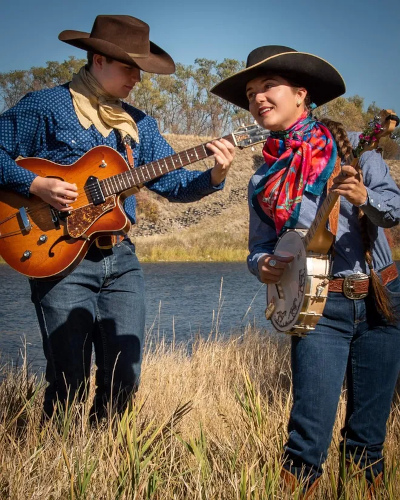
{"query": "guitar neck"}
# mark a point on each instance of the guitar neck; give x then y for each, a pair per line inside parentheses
(140, 175)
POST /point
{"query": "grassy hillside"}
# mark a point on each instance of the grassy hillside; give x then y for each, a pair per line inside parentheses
(214, 228)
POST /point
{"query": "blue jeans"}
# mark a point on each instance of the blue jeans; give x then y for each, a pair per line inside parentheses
(351, 341)
(100, 304)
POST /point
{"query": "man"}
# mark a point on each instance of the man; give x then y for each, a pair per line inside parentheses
(101, 302)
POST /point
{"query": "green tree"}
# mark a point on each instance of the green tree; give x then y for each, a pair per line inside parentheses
(183, 104)
(345, 111)
(15, 84)
(55, 73)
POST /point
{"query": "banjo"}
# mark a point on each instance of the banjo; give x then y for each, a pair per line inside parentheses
(296, 303)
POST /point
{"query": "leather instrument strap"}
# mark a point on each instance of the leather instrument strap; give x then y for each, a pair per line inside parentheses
(129, 154)
(108, 241)
(334, 215)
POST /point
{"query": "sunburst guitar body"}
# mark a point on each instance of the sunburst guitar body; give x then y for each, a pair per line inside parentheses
(41, 242)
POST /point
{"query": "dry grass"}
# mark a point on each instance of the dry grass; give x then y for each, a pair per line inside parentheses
(225, 240)
(206, 426)
(217, 237)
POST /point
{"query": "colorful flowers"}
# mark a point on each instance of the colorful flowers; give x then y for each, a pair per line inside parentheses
(369, 136)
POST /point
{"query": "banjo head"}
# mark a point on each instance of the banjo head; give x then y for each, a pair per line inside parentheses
(287, 296)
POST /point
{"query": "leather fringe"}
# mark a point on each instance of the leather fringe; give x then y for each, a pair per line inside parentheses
(381, 297)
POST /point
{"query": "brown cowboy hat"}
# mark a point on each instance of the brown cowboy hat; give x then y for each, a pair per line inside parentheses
(322, 81)
(125, 39)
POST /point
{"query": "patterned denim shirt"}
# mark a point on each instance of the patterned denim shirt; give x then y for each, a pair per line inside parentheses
(44, 125)
(382, 209)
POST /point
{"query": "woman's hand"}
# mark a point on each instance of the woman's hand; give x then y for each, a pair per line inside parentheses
(271, 267)
(349, 183)
(224, 153)
(57, 193)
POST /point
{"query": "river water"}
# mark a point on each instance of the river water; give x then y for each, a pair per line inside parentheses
(183, 300)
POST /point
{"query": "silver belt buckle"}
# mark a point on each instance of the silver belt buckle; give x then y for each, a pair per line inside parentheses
(348, 289)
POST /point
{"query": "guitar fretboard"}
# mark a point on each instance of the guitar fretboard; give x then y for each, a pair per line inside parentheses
(140, 175)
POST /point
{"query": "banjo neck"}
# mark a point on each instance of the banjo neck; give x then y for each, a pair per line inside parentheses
(296, 304)
(318, 239)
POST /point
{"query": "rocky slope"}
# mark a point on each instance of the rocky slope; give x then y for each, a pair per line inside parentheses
(158, 216)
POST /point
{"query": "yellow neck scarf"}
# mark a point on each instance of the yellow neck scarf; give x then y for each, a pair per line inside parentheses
(94, 105)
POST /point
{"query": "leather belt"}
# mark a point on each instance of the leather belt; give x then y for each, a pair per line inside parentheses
(108, 241)
(356, 285)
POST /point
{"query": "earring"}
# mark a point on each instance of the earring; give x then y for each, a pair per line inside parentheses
(298, 103)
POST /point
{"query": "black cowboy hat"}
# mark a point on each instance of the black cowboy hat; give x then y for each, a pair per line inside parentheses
(125, 39)
(322, 81)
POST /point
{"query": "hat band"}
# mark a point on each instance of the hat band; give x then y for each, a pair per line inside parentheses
(131, 54)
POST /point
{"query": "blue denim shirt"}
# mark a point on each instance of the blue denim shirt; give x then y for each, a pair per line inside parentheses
(382, 209)
(44, 124)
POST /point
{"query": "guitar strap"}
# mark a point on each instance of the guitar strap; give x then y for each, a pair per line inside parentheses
(334, 215)
(108, 241)
(129, 154)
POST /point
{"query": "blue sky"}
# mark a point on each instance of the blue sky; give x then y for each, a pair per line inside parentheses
(361, 38)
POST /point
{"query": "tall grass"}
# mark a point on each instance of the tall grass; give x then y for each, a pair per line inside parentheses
(196, 244)
(206, 426)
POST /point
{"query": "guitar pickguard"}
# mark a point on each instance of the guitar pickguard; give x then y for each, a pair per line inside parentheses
(81, 219)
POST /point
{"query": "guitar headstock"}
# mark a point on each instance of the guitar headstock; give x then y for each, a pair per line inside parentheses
(379, 127)
(249, 135)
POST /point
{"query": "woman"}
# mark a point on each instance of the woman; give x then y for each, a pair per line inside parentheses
(280, 87)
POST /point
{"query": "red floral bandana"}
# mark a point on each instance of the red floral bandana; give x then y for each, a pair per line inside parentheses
(301, 159)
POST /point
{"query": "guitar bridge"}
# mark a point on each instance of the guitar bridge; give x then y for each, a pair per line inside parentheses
(24, 219)
(54, 217)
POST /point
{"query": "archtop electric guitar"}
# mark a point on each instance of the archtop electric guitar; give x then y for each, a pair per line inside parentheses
(39, 241)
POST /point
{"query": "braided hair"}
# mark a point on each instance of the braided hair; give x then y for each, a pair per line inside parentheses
(345, 152)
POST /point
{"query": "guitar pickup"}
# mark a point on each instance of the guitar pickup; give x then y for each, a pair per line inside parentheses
(93, 189)
(26, 225)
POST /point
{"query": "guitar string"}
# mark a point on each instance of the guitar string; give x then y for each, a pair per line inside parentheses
(169, 163)
(11, 233)
(119, 178)
(91, 190)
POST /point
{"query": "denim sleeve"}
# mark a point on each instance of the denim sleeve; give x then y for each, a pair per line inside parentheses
(262, 237)
(21, 127)
(354, 138)
(180, 185)
(383, 203)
